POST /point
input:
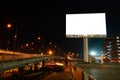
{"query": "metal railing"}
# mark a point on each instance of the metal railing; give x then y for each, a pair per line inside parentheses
(80, 74)
(86, 76)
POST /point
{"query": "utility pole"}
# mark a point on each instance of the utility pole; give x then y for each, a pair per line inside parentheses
(15, 40)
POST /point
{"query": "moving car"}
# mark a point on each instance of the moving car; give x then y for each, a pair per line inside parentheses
(55, 66)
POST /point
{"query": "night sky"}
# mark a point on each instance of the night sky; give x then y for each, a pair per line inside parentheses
(47, 20)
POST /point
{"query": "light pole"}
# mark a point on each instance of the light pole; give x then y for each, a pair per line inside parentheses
(8, 42)
(9, 26)
(39, 44)
(15, 38)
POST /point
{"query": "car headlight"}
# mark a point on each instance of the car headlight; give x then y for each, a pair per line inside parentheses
(60, 64)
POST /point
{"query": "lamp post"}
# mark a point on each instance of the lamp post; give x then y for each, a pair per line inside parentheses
(15, 39)
(8, 42)
(39, 44)
(9, 26)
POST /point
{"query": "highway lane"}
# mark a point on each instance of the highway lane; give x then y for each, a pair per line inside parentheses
(65, 75)
(102, 71)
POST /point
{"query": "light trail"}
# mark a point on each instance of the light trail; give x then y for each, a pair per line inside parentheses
(8, 55)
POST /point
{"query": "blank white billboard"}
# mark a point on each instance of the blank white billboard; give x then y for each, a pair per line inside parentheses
(85, 25)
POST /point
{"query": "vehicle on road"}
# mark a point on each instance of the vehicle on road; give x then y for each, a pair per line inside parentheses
(55, 66)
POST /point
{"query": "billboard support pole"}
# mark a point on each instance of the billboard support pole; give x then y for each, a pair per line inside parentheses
(85, 49)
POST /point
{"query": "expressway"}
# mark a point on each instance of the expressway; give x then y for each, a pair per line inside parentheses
(10, 55)
(10, 59)
(65, 75)
(102, 71)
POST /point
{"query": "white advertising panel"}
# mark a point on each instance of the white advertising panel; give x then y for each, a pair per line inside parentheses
(85, 25)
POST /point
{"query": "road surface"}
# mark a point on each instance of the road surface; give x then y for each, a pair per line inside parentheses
(102, 71)
(65, 75)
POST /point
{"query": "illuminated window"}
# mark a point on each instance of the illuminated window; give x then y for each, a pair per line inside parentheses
(109, 42)
(118, 50)
(109, 49)
(109, 46)
(119, 47)
(118, 40)
(108, 52)
(109, 55)
(117, 37)
(118, 44)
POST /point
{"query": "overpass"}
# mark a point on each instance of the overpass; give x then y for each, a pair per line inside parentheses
(21, 59)
(5, 65)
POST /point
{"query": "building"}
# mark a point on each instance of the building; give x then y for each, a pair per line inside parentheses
(111, 49)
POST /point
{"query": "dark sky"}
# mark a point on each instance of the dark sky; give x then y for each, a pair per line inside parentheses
(47, 20)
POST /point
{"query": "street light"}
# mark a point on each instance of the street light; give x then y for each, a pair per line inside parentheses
(38, 44)
(50, 52)
(8, 42)
(9, 26)
(15, 39)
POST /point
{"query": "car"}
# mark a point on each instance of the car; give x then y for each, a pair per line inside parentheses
(59, 68)
(56, 66)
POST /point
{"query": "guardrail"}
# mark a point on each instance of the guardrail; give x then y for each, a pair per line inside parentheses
(80, 74)
(5, 65)
(86, 76)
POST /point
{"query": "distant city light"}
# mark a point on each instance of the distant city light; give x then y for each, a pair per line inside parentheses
(50, 43)
(41, 54)
(27, 44)
(32, 43)
(15, 36)
(38, 38)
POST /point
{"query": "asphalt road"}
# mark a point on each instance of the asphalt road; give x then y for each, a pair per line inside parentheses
(102, 71)
(65, 75)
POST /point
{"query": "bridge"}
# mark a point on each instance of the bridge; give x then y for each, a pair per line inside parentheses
(20, 59)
